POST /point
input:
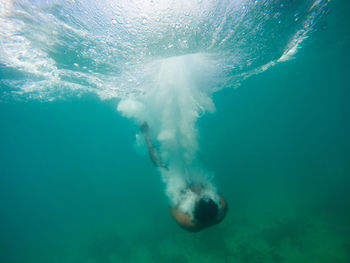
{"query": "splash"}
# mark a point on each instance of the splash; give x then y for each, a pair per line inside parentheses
(58, 49)
(162, 59)
(178, 95)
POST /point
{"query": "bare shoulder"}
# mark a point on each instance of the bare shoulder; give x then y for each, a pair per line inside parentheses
(182, 219)
(185, 222)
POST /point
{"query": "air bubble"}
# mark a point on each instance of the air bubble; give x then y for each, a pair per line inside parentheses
(184, 44)
(144, 21)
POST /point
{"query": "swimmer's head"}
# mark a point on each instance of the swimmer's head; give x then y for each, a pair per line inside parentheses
(206, 210)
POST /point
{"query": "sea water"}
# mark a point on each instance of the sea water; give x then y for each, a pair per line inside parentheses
(253, 94)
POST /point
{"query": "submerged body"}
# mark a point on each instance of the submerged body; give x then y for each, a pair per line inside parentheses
(196, 224)
(205, 210)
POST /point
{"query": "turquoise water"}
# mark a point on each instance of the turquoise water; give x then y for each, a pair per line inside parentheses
(75, 187)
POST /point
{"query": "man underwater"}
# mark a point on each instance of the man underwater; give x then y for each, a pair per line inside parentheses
(205, 213)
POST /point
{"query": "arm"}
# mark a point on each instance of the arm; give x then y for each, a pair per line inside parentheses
(151, 149)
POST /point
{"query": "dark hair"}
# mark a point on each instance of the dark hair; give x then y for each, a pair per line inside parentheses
(206, 210)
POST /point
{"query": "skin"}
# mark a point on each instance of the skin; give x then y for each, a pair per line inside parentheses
(181, 218)
(151, 150)
(185, 222)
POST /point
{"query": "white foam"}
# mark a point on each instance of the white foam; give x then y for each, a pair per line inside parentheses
(293, 45)
(131, 108)
(6, 7)
(31, 34)
(134, 51)
(171, 106)
(302, 34)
